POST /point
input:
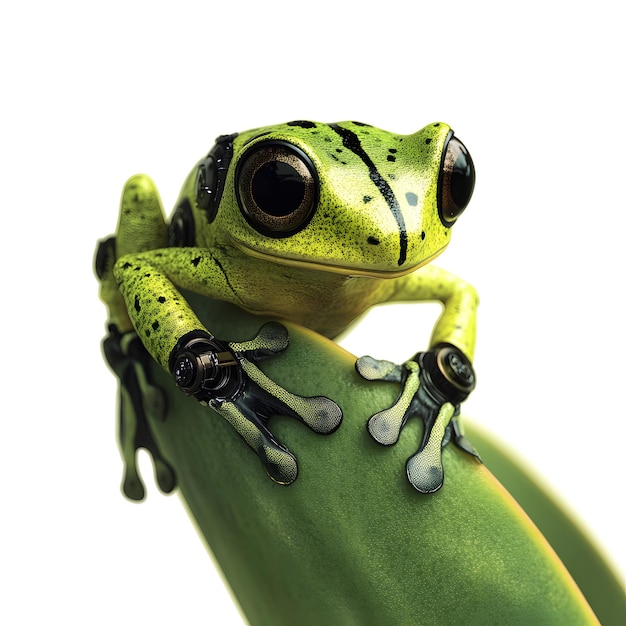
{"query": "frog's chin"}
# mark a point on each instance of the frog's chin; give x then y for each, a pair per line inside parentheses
(344, 270)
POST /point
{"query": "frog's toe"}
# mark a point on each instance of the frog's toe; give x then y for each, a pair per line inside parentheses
(141, 223)
(272, 339)
(385, 425)
(281, 466)
(165, 476)
(425, 471)
(132, 485)
(320, 414)
(425, 468)
(376, 369)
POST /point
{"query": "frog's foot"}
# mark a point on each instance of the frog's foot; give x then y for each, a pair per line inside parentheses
(140, 399)
(433, 385)
(224, 376)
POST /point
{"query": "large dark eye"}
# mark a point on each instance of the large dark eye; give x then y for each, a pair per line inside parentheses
(277, 188)
(456, 181)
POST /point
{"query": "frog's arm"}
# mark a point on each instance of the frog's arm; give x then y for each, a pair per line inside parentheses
(217, 373)
(433, 383)
(457, 323)
(157, 310)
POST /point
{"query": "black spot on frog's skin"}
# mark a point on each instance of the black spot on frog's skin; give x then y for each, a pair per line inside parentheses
(391, 158)
(360, 124)
(161, 299)
(392, 150)
(126, 266)
(155, 325)
(373, 241)
(302, 124)
(367, 199)
(423, 235)
(336, 158)
(195, 262)
(411, 198)
(137, 305)
(428, 140)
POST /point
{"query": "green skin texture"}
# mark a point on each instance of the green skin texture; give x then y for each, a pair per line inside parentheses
(350, 541)
(322, 277)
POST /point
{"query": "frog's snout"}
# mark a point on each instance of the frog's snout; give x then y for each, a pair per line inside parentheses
(456, 181)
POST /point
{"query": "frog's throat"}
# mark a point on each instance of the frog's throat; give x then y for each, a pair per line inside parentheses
(335, 269)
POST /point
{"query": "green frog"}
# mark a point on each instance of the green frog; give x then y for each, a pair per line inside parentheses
(308, 222)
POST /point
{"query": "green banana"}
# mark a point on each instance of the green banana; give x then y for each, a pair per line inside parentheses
(351, 542)
(596, 578)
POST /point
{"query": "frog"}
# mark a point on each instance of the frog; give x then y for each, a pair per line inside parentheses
(309, 222)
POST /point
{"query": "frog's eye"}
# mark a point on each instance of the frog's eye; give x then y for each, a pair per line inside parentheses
(277, 188)
(456, 181)
(211, 176)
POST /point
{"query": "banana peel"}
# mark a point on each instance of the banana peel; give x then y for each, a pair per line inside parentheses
(350, 541)
(593, 574)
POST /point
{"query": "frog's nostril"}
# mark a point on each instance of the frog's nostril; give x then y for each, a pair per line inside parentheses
(456, 181)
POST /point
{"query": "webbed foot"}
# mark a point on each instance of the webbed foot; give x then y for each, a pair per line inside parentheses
(224, 376)
(433, 385)
(140, 398)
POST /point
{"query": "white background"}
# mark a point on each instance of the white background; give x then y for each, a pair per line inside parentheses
(94, 92)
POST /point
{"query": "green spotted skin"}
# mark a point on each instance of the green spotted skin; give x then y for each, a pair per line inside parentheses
(355, 228)
(376, 222)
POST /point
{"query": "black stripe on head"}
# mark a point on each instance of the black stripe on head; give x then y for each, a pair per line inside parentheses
(351, 142)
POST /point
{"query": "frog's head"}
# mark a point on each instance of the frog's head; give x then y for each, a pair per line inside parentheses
(344, 197)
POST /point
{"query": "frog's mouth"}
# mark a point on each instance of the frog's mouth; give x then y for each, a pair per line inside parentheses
(344, 270)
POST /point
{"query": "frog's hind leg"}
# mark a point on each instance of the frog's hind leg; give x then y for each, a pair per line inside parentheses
(141, 226)
(140, 400)
(135, 434)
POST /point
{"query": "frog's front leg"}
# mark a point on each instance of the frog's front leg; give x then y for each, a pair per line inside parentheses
(221, 374)
(433, 383)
